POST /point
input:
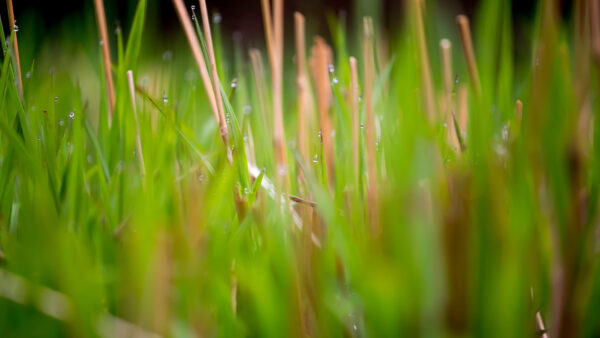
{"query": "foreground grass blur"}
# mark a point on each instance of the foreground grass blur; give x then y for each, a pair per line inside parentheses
(441, 195)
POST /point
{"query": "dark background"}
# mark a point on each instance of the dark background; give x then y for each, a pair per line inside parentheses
(241, 15)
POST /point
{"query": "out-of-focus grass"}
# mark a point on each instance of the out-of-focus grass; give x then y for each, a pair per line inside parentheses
(473, 243)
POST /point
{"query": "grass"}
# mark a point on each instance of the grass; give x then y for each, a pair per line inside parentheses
(419, 182)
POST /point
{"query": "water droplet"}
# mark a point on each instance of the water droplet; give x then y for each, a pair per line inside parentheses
(61, 123)
(56, 99)
(362, 126)
(167, 55)
(445, 125)
(331, 69)
(316, 159)
(505, 133)
(193, 8)
(193, 17)
(201, 177)
(247, 109)
(165, 98)
(28, 75)
(16, 28)
(335, 80)
(246, 191)
(333, 133)
(282, 170)
(117, 30)
(234, 83)
(359, 98)
(245, 138)
(320, 135)
(71, 115)
(101, 42)
(217, 18)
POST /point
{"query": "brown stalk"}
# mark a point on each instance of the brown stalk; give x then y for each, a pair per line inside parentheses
(467, 43)
(354, 104)
(302, 86)
(446, 47)
(138, 139)
(369, 69)
(214, 73)
(320, 67)
(197, 53)
(12, 22)
(104, 45)
(595, 30)
(274, 37)
(463, 108)
(425, 67)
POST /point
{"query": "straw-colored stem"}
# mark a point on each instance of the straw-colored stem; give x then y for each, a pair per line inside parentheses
(138, 139)
(446, 48)
(369, 69)
(425, 67)
(215, 74)
(467, 43)
(197, 53)
(320, 68)
(595, 29)
(105, 47)
(12, 22)
(463, 108)
(302, 86)
(274, 37)
(354, 105)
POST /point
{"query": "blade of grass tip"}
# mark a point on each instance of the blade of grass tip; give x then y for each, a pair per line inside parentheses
(13, 25)
(424, 58)
(104, 45)
(369, 68)
(355, 119)
(215, 77)
(197, 53)
(302, 85)
(467, 43)
(446, 48)
(138, 139)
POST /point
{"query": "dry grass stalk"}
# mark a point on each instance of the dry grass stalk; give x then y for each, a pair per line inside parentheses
(138, 139)
(214, 73)
(369, 69)
(354, 105)
(595, 29)
(425, 67)
(463, 108)
(446, 48)
(104, 45)
(467, 43)
(197, 53)
(274, 35)
(12, 22)
(321, 58)
(302, 86)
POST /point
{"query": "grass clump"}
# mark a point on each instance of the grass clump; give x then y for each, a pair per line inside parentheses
(401, 183)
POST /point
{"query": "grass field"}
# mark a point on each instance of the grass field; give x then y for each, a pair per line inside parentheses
(441, 180)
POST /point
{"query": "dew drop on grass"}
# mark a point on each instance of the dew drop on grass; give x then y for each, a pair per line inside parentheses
(56, 99)
(245, 138)
(234, 83)
(362, 126)
(193, 8)
(165, 98)
(445, 125)
(101, 42)
(247, 109)
(28, 75)
(331, 69)
(335, 80)
(217, 18)
(71, 115)
(246, 191)
(61, 123)
(505, 133)
(281, 170)
(167, 55)
(16, 28)
(316, 158)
